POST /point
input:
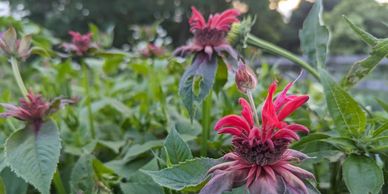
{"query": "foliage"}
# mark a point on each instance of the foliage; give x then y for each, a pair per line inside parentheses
(128, 130)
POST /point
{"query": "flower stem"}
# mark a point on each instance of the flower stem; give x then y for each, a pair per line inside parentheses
(87, 101)
(206, 113)
(252, 102)
(18, 77)
(58, 183)
(257, 42)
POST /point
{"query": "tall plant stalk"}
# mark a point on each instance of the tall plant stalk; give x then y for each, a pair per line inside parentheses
(88, 101)
(18, 77)
(257, 42)
(206, 114)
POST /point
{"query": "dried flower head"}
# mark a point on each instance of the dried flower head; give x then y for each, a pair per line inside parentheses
(261, 157)
(14, 47)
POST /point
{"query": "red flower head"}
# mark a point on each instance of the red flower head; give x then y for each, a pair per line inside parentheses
(80, 44)
(152, 51)
(261, 156)
(33, 110)
(210, 36)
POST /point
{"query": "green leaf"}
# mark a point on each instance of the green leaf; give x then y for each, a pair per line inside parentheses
(221, 75)
(13, 184)
(2, 187)
(197, 82)
(383, 104)
(362, 175)
(140, 183)
(314, 36)
(34, 155)
(381, 129)
(89, 176)
(344, 144)
(177, 149)
(365, 36)
(184, 175)
(347, 114)
(138, 149)
(362, 68)
(82, 176)
(308, 139)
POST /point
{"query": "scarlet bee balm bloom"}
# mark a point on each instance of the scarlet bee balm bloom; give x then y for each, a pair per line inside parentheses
(261, 158)
(210, 36)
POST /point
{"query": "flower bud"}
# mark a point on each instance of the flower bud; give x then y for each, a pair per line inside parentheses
(245, 78)
(238, 34)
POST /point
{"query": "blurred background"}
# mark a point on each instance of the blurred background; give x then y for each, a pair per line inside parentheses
(278, 21)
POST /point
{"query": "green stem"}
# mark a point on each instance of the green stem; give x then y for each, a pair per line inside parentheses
(18, 77)
(206, 113)
(252, 102)
(58, 183)
(88, 101)
(257, 42)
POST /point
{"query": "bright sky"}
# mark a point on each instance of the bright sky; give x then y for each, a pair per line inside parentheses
(286, 7)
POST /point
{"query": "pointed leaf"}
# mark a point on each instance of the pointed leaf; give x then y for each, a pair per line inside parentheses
(347, 114)
(197, 81)
(362, 175)
(362, 68)
(183, 175)
(140, 183)
(34, 155)
(365, 36)
(315, 36)
(177, 149)
(82, 176)
(383, 104)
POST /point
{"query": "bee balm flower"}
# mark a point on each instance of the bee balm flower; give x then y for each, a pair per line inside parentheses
(210, 36)
(33, 110)
(261, 158)
(80, 44)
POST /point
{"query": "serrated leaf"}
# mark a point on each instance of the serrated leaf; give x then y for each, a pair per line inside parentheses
(347, 115)
(13, 184)
(34, 155)
(362, 68)
(308, 139)
(314, 36)
(362, 175)
(197, 81)
(177, 149)
(183, 175)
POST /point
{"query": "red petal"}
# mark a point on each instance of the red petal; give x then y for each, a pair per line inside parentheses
(269, 117)
(230, 130)
(196, 21)
(291, 106)
(298, 127)
(247, 111)
(232, 121)
(286, 133)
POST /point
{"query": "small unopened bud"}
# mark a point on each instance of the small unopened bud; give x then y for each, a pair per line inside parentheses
(245, 78)
(238, 34)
